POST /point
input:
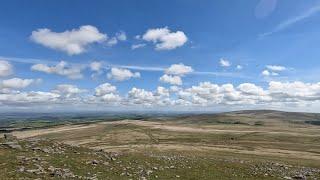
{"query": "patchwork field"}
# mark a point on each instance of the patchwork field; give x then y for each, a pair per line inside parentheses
(235, 145)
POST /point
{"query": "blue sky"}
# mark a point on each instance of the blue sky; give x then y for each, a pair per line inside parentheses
(267, 50)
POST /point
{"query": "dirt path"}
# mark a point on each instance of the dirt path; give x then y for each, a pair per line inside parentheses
(39, 132)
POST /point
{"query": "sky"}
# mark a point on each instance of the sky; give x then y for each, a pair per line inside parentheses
(177, 55)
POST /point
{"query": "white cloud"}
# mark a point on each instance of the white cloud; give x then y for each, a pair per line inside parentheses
(68, 90)
(17, 83)
(111, 98)
(5, 68)
(224, 63)
(104, 89)
(161, 91)
(138, 96)
(205, 94)
(289, 22)
(121, 36)
(273, 70)
(294, 91)
(72, 41)
(251, 89)
(265, 73)
(174, 88)
(137, 46)
(159, 97)
(179, 69)
(96, 66)
(29, 98)
(174, 80)
(121, 74)
(137, 37)
(62, 68)
(164, 39)
(106, 93)
(276, 68)
(112, 41)
(239, 67)
(141, 96)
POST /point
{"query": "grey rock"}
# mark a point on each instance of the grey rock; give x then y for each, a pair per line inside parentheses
(9, 137)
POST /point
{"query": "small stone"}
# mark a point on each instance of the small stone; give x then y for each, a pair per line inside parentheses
(21, 169)
(95, 162)
(287, 178)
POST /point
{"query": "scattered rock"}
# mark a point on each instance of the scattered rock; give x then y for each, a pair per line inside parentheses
(9, 137)
(287, 178)
(299, 176)
(12, 145)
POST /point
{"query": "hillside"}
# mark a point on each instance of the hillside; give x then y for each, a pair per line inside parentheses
(252, 117)
(235, 145)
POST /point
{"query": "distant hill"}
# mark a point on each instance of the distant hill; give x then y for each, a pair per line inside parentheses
(253, 117)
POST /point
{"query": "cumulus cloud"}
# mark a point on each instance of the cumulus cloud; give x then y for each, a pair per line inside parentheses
(72, 42)
(96, 66)
(205, 94)
(164, 39)
(295, 91)
(29, 98)
(265, 73)
(148, 98)
(251, 89)
(141, 96)
(161, 91)
(62, 68)
(104, 89)
(208, 94)
(179, 69)
(5, 68)
(121, 74)
(68, 90)
(105, 93)
(174, 80)
(174, 73)
(17, 83)
(224, 63)
(137, 46)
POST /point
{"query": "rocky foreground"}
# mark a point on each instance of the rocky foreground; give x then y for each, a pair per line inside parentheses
(44, 159)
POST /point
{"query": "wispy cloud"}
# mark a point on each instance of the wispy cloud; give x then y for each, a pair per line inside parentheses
(289, 22)
(27, 60)
(141, 68)
(221, 74)
(160, 69)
